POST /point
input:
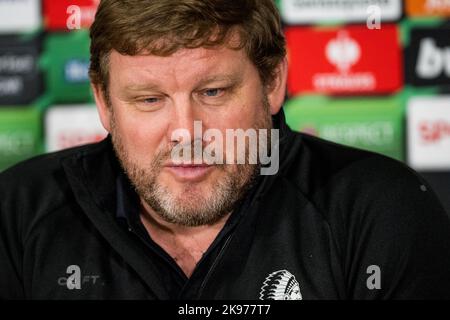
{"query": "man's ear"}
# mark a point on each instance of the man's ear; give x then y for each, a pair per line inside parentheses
(103, 109)
(276, 92)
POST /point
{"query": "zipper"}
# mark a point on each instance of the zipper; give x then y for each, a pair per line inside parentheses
(246, 207)
(214, 265)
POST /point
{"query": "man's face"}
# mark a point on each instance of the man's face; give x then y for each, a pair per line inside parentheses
(151, 96)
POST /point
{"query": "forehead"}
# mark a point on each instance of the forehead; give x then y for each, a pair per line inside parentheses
(184, 64)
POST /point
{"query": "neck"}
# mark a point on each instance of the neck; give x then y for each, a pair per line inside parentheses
(186, 245)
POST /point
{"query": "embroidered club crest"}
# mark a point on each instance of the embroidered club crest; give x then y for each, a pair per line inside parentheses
(280, 285)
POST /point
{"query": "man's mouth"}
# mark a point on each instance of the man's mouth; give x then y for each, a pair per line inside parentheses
(189, 172)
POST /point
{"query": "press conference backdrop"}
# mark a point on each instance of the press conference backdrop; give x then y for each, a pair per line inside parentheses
(374, 74)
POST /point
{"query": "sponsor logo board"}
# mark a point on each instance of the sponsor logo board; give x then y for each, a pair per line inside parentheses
(69, 14)
(344, 60)
(72, 125)
(20, 131)
(68, 65)
(18, 16)
(429, 133)
(428, 59)
(374, 124)
(317, 11)
(427, 8)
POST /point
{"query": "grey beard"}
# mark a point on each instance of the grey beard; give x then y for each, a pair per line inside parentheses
(192, 208)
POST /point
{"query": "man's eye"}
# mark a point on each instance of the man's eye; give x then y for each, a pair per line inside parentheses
(213, 92)
(148, 103)
(150, 100)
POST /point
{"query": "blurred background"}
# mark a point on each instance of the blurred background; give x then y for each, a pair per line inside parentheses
(373, 74)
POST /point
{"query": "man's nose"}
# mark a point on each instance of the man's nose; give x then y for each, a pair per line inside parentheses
(185, 119)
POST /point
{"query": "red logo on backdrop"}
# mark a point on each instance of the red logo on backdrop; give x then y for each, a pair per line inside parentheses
(61, 14)
(344, 61)
(433, 132)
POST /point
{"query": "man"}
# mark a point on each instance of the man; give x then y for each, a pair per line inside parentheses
(126, 219)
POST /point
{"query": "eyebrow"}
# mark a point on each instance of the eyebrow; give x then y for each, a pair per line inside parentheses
(141, 87)
(233, 79)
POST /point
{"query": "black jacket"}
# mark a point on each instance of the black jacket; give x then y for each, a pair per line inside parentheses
(335, 222)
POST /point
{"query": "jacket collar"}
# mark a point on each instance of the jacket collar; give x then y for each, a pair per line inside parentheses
(92, 175)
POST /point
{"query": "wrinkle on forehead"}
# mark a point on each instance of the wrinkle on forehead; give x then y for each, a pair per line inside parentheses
(186, 66)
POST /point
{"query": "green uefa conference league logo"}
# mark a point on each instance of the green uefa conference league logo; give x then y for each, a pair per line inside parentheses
(16, 146)
(19, 135)
(374, 124)
(373, 134)
(17, 143)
